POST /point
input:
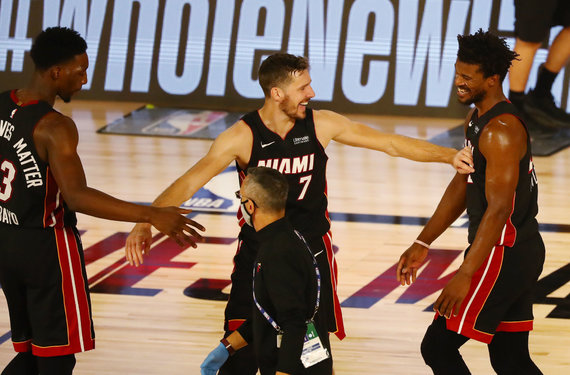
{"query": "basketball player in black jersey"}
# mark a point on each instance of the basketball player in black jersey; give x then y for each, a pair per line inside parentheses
(490, 297)
(286, 135)
(42, 185)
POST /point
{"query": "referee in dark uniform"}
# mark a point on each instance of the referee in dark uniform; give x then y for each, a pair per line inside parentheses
(286, 330)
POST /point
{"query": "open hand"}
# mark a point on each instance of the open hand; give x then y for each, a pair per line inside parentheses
(138, 244)
(452, 296)
(172, 222)
(409, 263)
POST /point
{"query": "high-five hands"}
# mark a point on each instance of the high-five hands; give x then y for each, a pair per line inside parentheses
(168, 220)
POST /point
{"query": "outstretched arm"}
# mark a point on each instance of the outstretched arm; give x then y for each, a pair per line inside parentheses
(56, 140)
(333, 126)
(232, 144)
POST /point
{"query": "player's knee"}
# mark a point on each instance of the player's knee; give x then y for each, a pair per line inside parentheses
(431, 351)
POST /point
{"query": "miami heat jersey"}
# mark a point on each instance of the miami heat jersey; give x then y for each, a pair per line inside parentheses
(521, 223)
(29, 195)
(302, 159)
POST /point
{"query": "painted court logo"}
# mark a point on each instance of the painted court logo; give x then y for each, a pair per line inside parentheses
(183, 122)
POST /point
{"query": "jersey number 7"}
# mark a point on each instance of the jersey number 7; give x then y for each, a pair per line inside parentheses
(305, 181)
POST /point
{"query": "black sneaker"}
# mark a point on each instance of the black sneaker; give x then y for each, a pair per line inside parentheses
(536, 129)
(545, 112)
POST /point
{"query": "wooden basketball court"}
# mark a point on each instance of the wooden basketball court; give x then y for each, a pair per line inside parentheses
(146, 325)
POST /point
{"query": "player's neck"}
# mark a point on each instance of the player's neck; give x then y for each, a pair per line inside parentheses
(37, 89)
(274, 118)
(489, 102)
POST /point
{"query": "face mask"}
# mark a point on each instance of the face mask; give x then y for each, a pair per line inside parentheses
(246, 215)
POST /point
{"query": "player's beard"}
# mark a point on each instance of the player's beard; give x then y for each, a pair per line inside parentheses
(291, 109)
(475, 97)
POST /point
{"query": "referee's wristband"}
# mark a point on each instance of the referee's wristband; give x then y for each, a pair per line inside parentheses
(422, 243)
(228, 346)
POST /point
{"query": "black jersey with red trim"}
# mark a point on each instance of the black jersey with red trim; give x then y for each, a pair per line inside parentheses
(29, 195)
(302, 160)
(522, 222)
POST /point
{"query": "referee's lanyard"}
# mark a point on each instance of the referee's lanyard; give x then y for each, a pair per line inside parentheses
(267, 316)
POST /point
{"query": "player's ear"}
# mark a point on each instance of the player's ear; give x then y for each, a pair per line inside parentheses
(54, 72)
(277, 94)
(494, 80)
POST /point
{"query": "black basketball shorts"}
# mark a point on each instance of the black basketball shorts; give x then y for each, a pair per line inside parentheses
(534, 18)
(42, 273)
(501, 294)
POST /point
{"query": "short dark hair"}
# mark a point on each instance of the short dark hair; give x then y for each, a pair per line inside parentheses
(267, 187)
(488, 51)
(56, 45)
(278, 69)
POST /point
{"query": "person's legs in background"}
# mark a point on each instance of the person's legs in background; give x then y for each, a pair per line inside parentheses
(533, 21)
(520, 70)
(540, 104)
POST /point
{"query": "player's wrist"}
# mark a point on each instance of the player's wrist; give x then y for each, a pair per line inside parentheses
(228, 346)
(422, 243)
(143, 226)
(466, 270)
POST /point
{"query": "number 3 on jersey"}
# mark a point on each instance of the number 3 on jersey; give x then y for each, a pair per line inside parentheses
(305, 181)
(9, 173)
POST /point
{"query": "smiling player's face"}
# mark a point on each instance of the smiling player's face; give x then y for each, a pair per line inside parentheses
(470, 83)
(297, 94)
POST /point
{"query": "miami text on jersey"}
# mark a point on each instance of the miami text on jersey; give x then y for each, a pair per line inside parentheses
(299, 164)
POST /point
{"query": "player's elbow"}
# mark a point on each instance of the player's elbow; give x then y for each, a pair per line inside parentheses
(72, 202)
(76, 199)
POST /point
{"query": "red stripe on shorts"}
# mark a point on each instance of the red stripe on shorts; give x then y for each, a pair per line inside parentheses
(522, 326)
(481, 285)
(75, 299)
(23, 346)
(327, 239)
